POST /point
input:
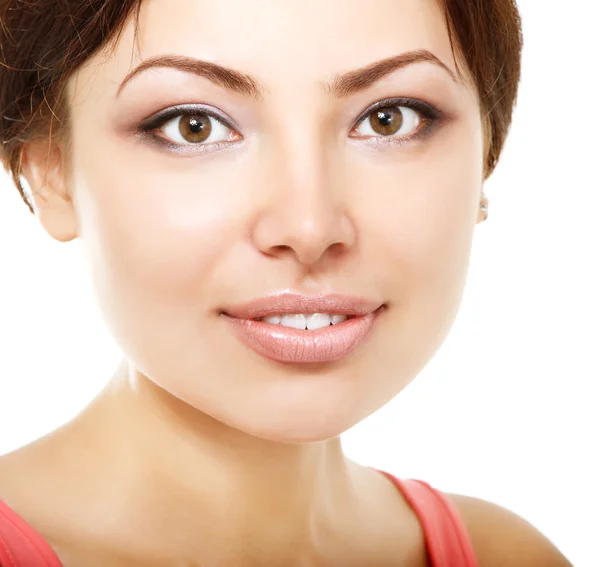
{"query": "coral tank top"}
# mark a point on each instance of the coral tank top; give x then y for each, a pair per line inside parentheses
(446, 537)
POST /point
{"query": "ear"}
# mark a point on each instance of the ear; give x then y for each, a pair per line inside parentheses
(44, 168)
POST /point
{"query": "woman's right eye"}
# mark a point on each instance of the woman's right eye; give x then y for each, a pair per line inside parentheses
(195, 129)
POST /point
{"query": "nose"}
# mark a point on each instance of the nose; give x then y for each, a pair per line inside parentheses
(304, 212)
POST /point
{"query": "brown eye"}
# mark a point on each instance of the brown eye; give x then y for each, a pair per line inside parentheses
(196, 129)
(386, 121)
(390, 121)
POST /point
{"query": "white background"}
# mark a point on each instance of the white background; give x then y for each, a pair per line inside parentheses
(508, 408)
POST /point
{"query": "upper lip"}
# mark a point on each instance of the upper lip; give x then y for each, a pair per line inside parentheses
(288, 302)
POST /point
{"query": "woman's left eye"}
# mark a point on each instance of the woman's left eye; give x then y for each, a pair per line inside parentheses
(195, 129)
(390, 121)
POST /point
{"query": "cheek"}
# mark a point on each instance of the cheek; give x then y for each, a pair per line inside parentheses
(153, 234)
(420, 218)
(418, 238)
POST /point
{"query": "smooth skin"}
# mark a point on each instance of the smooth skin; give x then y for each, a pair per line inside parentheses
(198, 451)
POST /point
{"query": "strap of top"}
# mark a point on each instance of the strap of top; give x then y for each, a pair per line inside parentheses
(21, 545)
(446, 536)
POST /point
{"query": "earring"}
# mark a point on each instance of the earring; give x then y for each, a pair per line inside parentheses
(484, 206)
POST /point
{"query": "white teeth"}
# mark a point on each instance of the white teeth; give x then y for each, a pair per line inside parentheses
(294, 321)
(335, 319)
(317, 321)
(300, 321)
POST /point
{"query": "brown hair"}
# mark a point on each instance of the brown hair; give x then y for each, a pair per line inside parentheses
(43, 42)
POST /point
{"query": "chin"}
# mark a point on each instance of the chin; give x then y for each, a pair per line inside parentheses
(294, 431)
(298, 413)
(278, 403)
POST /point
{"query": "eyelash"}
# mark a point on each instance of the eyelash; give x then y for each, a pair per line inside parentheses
(429, 116)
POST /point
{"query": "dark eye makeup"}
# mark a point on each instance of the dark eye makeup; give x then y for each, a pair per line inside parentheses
(429, 118)
(159, 119)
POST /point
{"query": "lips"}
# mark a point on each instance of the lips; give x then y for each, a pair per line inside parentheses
(285, 344)
(293, 303)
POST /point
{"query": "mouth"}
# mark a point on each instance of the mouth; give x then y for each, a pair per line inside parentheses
(306, 321)
(291, 328)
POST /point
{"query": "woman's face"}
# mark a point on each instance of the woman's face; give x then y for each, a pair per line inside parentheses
(292, 187)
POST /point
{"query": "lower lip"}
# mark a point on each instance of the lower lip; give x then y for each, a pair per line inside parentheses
(284, 344)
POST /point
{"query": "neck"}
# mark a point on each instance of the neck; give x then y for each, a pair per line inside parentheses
(184, 474)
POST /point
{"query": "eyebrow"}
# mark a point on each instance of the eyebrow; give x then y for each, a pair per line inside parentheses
(342, 85)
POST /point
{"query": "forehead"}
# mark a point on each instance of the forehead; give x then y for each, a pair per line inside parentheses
(285, 42)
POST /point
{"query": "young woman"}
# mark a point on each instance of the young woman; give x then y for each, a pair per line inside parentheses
(278, 201)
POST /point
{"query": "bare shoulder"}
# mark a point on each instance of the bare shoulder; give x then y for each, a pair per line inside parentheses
(501, 537)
